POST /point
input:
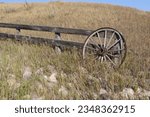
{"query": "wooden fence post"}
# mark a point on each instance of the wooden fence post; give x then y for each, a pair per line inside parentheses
(17, 33)
(57, 48)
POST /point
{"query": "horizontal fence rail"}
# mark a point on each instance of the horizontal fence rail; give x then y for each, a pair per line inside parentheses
(47, 29)
(39, 40)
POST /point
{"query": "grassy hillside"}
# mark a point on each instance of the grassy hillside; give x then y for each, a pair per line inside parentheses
(37, 72)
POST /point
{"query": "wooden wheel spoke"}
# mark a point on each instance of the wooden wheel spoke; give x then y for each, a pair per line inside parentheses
(105, 59)
(114, 44)
(102, 58)
(105, 38)
(110, 39)
(96, 57)
(115, 56)
(99, 38)
(110, 60)
(93, 53)
(110, 51)
(119, 50)
(99, 58)
(93, 42)
(91, 48)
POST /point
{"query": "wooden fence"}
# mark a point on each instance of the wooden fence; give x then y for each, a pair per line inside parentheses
(38, 40)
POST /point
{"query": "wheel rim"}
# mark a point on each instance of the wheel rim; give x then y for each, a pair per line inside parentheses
(106, 45)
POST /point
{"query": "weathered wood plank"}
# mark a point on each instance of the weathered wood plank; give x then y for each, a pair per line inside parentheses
(39, 40)
(47, 29)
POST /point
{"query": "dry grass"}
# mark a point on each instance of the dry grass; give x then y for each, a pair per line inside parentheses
(80, 80)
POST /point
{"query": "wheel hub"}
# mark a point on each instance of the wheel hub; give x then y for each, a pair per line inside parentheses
(102, 51)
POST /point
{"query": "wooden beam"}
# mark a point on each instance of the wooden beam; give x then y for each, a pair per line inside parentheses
(39, 40)
(47, 29)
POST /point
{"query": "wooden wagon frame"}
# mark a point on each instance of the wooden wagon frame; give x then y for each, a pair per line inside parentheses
(104, 44)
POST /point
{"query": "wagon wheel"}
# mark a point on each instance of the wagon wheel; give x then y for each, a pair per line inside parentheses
(106, 45)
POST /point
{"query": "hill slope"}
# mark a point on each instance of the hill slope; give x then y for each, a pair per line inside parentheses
(37, 72)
